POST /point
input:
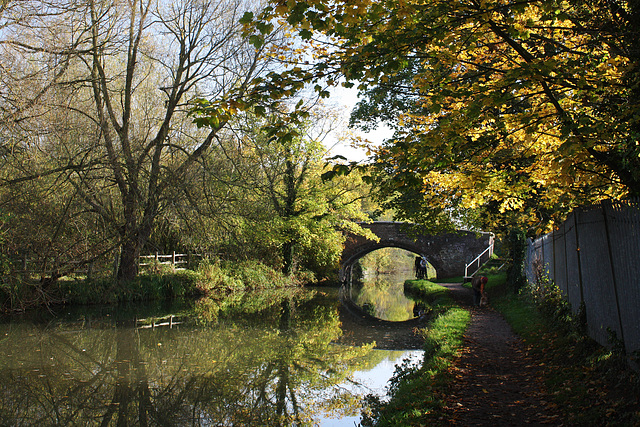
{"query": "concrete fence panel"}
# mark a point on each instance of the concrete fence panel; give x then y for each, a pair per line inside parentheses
(560, 259)
(534, 255)
(594, 258)
(623, 225)
(572, 274)
(547, 255)
(599, 292)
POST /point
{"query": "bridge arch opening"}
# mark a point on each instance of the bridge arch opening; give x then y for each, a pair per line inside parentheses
(393, 260)
(375, 288)
(387, 259)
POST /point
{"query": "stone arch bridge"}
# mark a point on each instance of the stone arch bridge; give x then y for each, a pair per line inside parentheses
(448, 253)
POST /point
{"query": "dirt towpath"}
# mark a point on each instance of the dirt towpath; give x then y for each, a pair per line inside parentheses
(497, 382)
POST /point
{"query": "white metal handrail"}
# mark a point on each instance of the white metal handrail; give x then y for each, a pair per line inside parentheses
(477, 259)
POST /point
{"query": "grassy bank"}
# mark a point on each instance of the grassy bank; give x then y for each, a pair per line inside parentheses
(416, 397)
(158, 282)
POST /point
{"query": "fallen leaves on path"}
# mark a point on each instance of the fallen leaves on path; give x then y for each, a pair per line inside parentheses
(496, 382)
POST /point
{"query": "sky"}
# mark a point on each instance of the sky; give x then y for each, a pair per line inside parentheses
(344, 100)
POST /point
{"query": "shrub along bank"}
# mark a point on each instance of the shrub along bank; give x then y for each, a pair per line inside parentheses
(158, 282)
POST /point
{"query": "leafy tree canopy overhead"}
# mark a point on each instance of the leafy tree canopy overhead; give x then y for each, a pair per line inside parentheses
(519, 110)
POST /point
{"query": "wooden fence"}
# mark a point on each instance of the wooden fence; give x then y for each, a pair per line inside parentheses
(174, 259)
(27, 267)
(594, 258)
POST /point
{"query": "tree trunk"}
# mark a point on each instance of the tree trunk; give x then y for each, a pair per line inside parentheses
(129, 255)
(134, 235)
(289, 212)
(287, 256)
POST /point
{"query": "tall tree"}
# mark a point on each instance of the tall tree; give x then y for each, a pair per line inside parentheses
(281, 209)
(520, 109)
(41, 210)
(131, 69)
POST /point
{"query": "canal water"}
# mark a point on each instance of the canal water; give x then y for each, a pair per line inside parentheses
(268, 358)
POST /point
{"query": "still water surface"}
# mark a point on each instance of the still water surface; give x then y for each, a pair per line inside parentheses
(382, 296)
(267, 358)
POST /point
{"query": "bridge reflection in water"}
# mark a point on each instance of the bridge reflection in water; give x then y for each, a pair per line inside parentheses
(382, 296)
(375, 307)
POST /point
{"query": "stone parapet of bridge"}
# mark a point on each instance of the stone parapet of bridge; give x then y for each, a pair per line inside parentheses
(448, 252)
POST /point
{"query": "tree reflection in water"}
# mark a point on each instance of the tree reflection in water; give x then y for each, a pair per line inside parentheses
(261, 360)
